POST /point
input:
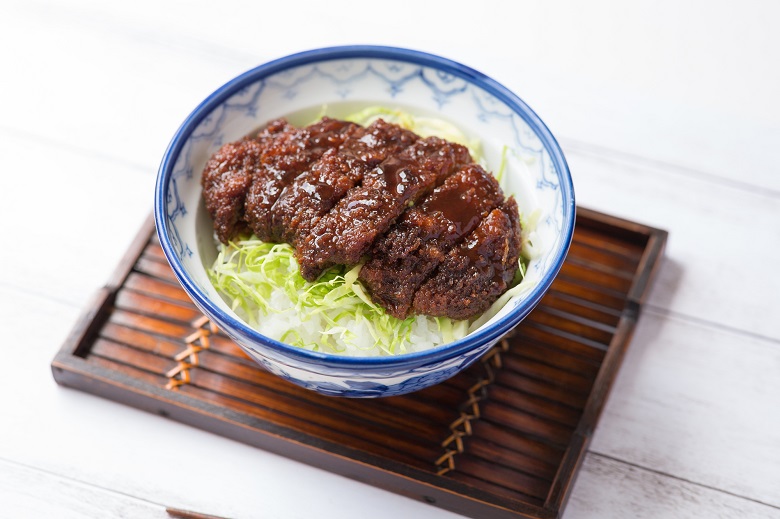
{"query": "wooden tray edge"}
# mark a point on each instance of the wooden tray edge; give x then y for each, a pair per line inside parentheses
(77, 373)
(69, 369)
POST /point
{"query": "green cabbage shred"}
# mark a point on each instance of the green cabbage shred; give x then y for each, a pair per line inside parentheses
(248, 270)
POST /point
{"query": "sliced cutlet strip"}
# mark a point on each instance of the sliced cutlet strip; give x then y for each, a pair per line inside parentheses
(287, 156)
(313, 193)
(403, 258)
(476, 272)
(346, 233)
(227, 176)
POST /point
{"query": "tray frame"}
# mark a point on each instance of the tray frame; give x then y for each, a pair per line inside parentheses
(72, 367)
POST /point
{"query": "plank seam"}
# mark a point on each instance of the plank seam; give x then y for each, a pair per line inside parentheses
(680, 478)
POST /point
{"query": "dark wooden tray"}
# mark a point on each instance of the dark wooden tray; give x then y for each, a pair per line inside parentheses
(503, 439)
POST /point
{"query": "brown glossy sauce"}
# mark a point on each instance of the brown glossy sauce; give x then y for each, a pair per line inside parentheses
(396, 172)
(319, 190)
(458, 207)
(478, 253)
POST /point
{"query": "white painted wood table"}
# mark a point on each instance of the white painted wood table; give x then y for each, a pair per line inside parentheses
(668, 113)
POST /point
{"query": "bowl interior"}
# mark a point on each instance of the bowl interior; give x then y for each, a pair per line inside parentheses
(301, 87)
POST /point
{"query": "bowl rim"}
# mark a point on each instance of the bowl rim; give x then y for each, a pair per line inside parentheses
(436, 354)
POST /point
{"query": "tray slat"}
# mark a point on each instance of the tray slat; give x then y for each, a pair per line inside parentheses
(503, 439)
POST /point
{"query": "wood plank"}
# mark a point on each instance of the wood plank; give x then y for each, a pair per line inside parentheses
(574, 382)
(155, 267)
(609, 489)
(559, 340)
(492, 471)
(532, 349)
(541, 407)
(584, 331)
(491, 451)
(580, 307)
(681, 115)
(21, 488)
(114, 63)
(606, 281)
(590, 292)
(151, 305)
(156, 287)
(700, 403)
(601, 256)
(526, 423)
(715, 234)
(592, 236)
(87, 248)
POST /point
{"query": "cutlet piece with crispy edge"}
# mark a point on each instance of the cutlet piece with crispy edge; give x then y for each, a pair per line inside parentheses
(228, 175)
(286, 157)
(346, 233)
(475, 273)
(410, 251)
(313, 193)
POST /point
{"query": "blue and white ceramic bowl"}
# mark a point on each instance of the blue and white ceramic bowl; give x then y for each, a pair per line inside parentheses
(347, 78)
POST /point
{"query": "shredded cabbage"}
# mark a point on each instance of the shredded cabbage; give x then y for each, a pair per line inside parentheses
(262, 283)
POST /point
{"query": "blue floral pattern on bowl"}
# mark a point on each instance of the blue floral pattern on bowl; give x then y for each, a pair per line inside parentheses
(344, 79)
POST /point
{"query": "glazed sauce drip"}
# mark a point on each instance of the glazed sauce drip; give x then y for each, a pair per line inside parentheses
(318, 190)
(487, 248)
(397, 173)
(460, 207)
(477, 251)
(320, 144)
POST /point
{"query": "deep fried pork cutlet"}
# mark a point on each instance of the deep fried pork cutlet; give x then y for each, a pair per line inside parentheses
(346, 233)
(228, 175)
(437, 235)
(475, 273)
(313, 193)
(407, 254)
(286, 157)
